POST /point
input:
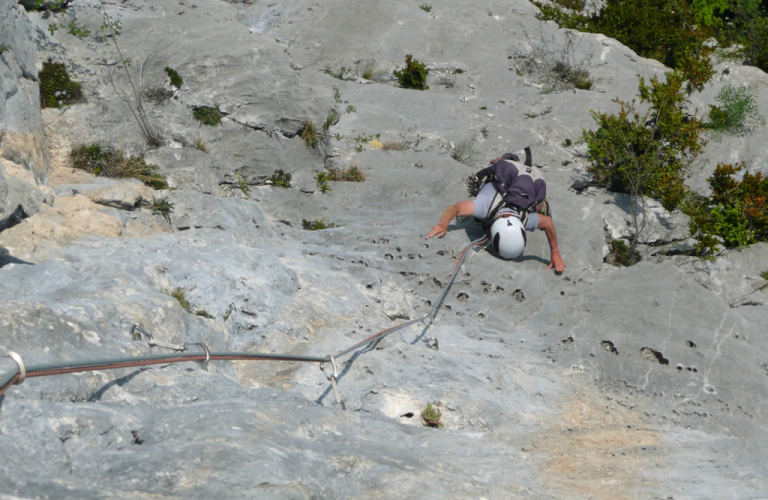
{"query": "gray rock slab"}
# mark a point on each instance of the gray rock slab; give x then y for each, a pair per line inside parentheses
(601, 383)
(17, 200)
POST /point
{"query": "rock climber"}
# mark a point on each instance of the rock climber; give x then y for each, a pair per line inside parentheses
(509, 199)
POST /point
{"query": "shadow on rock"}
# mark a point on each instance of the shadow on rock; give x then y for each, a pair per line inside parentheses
(96, 396)
(6, 258)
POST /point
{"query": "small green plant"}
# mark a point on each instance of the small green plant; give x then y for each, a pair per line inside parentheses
(343, 72)
(208, 115)
(351, 109)
(107, 161)
(161, 206)
(308, 134)
(336, 95)
(4, 47)
(174, 77)
(229, 311)
(316, 224)
(56, 89)
(338, 136)
(178, 294)
(764, 274)
(77, 30)
(330, 121)
(425, 7)
(322, 182)
(483, 108)
(458, 71)
(484, 131)
(567, 142)
(737, 112)
(620, 255)
(430, 416)
(242, 182)
(368, 71)
(364, 139)
(352, 173)
(203, 313)
(413, 76)
(280, 179)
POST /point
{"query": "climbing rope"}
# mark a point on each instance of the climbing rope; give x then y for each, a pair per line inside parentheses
(23, 371)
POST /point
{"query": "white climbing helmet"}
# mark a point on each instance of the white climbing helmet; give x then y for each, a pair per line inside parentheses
(508, 237)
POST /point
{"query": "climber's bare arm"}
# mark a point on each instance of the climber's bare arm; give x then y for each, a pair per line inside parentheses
(461, 209)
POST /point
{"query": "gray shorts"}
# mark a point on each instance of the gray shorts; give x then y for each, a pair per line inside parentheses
(488, 196)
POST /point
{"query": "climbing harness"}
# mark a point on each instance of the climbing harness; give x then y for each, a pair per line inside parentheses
(182, 354)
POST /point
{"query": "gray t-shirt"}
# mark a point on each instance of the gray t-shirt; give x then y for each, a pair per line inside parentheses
(483, 203)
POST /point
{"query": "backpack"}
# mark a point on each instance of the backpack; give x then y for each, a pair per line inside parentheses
(519, 186)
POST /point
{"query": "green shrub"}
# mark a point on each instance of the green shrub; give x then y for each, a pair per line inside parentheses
(413, 76)
(737, 113)
(737, 211)
(577, 5)
(4, 47)
(430, 416)
(764, 275)
(425, 7)
(56, 89)
(107, 161)
(281, 179)
(316, 224)
(749, 30)
(646, 153)
(203, 313)
(174, 77)
(658, 29)
(208, 115)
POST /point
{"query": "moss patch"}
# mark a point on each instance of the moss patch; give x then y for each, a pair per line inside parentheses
(56, 88)
(208, 115)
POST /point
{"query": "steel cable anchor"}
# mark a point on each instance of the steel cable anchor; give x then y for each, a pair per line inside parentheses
(428, 319)
(203, 364)
(22, 369)
(333, 378)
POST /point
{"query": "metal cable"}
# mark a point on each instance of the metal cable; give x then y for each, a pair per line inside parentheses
(60, 368)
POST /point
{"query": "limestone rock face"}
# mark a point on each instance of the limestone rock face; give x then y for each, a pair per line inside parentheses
(602, 383)
(23, 138)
